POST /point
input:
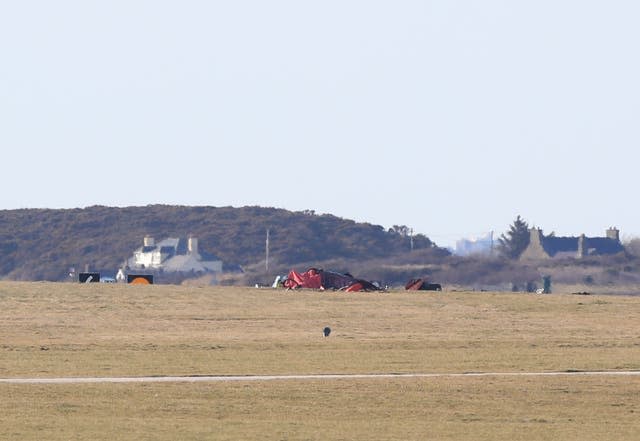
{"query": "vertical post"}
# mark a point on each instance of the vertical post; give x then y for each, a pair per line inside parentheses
(411, 238)
(491, 249)
(266, 261)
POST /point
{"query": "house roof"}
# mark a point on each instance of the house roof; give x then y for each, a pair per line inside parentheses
(560, 246)
(554, 245)
(166, 249)
(171, 245)
(604, 245)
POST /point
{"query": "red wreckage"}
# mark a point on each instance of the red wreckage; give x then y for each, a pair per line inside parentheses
(422, 285)
(320, 279)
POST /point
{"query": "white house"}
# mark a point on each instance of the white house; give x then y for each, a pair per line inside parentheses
(173, 255)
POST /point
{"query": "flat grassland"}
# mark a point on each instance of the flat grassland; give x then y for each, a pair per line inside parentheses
(101, 330)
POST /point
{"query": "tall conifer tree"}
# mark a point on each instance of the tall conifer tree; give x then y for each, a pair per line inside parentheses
(516, 239)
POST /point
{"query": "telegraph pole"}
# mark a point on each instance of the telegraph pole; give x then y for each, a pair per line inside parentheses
(266, 261)
(491, 250)
(411, 238)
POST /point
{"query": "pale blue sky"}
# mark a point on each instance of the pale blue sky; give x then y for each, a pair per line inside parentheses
(451, 117)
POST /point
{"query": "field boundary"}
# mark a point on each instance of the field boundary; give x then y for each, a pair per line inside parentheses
(258, 378)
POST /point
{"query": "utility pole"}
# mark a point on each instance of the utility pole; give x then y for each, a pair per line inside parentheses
(266, 261)
(491, 250)
(411, 237)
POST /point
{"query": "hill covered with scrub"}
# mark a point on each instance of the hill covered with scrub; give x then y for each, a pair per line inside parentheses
(42, 244)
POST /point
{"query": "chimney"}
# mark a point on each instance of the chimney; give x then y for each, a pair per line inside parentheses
(148, 241)
(193, 246)
(535, 249)
(613, 233)
(582, 246)
(535, 236)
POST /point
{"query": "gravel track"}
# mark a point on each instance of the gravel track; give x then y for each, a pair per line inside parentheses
(249, 378)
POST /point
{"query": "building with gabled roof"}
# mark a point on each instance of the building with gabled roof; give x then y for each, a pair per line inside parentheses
(552, 247)
(174, 255)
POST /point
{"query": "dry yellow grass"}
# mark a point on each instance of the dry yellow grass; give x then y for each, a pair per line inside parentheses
(105, 330)
(548, 408)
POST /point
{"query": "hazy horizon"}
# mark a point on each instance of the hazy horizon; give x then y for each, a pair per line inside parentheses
(449, 117)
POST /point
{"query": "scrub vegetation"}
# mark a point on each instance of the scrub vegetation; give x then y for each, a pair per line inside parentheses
(43, 244)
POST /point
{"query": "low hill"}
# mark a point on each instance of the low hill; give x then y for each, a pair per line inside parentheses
(42, 244)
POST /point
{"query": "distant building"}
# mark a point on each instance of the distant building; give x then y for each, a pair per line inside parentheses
(173, 255)
(552, 247)
(479, 245)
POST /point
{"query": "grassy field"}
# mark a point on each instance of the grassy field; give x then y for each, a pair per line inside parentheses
(61, 330)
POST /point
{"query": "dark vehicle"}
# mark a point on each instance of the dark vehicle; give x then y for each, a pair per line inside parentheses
(421, 285)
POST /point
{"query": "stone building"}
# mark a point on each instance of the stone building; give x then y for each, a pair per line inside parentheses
(552, 247)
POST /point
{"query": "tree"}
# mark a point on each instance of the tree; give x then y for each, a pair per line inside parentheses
(632, 246)
(516, 239)
(402, 230)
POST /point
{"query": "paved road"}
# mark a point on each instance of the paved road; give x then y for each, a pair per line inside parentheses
(221, 378)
